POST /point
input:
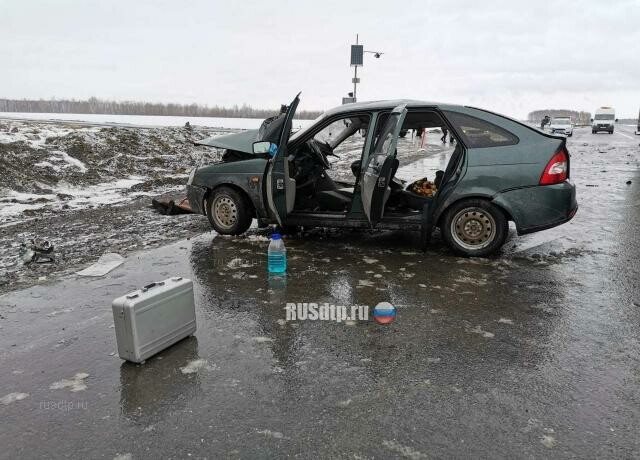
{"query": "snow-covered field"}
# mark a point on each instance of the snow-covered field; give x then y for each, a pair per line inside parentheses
(49, 168)
(145, 120)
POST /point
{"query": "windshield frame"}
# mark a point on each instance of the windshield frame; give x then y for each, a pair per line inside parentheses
(295, 136)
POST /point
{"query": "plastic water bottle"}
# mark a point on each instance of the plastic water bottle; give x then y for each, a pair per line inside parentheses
(277, 262)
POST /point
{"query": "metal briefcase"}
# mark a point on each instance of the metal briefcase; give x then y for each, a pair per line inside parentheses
(153, 318)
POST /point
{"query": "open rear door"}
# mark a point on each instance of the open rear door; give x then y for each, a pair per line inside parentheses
(280, 192)
(380, 166)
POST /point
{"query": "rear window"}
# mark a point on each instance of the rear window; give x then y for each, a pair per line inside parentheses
(477, 133)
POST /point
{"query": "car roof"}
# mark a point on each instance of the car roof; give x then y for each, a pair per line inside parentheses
(383, 105)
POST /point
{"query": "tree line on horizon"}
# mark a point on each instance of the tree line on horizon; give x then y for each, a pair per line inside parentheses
(105, 107)
(580, 118)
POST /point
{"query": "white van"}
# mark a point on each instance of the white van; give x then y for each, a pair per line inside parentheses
(603, 120)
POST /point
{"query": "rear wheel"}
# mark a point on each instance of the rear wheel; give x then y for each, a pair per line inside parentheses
(229, 211)
(474, 228)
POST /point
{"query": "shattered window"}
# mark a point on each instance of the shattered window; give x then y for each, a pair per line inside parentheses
(477, 133)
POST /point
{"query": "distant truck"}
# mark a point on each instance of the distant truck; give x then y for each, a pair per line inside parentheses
(603, 120)
(638, 129)
(561, 125)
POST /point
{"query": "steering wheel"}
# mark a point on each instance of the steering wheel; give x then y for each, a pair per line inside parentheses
(321, 151)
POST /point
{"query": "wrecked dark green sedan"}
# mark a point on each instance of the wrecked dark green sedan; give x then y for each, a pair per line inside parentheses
(488, 170)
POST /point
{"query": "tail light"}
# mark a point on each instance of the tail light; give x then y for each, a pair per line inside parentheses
(557, 170)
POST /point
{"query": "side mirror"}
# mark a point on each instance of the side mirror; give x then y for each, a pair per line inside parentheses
(616, 120)
(592, 120)
(265, 147)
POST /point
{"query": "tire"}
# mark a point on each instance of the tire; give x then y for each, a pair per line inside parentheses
(229, 211)
(474, 228)
(592, 131)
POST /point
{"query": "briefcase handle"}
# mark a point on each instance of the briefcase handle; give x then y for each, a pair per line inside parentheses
(150, 285)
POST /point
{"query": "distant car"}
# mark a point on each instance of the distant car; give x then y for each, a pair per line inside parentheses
(603, 120)
(561, 125)
(500, 170)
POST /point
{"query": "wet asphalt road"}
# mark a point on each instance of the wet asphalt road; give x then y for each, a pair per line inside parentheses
(532, 354)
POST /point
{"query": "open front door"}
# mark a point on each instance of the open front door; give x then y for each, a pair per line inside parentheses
(380, 167)
(280, 191)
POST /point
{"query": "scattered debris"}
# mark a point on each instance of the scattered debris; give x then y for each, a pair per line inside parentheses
(263, 339)
(485, 334)
(548, 441)
(13, 397)
(404, 451)
(104, 265)
(170, 207)
(75, 384)
(36, 250)
(271, 434)
(123, 457)
(194, 366)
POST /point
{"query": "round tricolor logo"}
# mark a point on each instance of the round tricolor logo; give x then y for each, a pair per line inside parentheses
(384, 313)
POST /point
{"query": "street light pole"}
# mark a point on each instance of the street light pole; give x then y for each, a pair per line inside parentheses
(357, 60)
(355, 77)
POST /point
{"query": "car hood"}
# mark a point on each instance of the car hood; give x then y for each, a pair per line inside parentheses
(242, 141)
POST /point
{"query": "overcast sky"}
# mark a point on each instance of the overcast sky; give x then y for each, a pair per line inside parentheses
(507, 56)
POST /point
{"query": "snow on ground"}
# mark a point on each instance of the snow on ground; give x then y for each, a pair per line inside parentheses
(145, 120)
(107, 193)
(56, 167)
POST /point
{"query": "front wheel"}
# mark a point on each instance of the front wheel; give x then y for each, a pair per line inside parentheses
(229, 211)
(474, 228)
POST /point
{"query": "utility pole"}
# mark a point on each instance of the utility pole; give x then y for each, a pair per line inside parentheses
(355, 69)
(357, 60)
